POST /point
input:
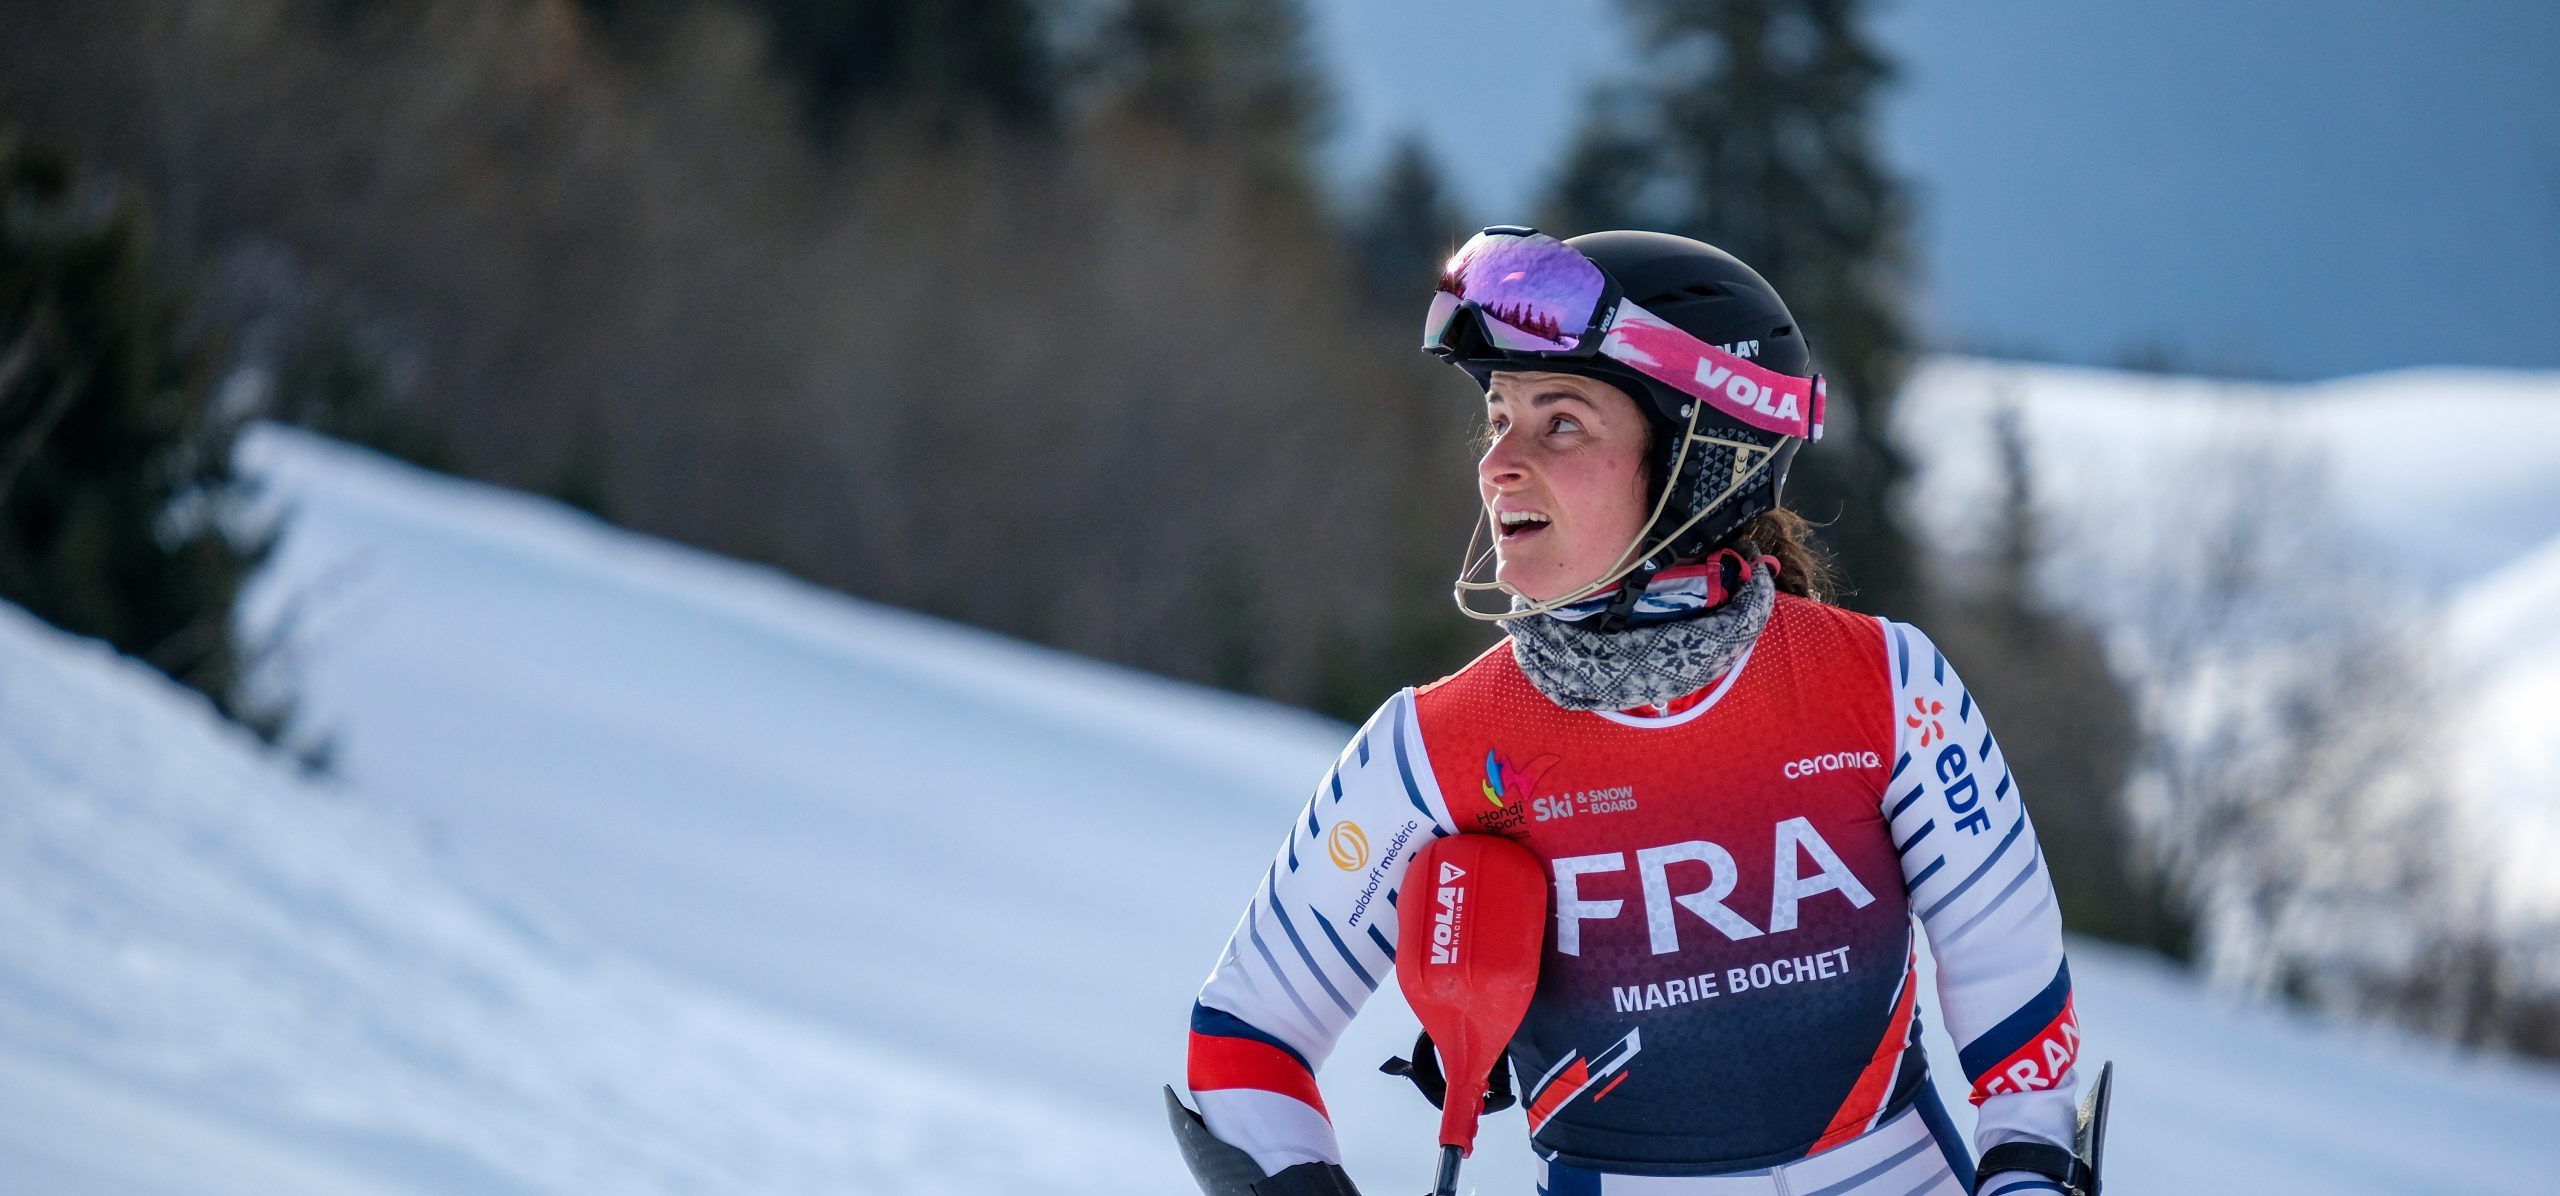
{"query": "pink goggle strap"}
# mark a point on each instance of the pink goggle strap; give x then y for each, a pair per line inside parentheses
(1751, 394)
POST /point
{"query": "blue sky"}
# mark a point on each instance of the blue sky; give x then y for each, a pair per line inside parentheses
(2292, 188)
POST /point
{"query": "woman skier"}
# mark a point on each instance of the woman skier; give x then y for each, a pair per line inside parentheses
(1748, 801)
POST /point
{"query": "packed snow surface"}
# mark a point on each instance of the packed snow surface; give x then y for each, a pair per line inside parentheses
(217, 978)
(651, 872)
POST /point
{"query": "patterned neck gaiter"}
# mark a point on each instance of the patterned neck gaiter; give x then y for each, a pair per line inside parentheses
(1677, 642)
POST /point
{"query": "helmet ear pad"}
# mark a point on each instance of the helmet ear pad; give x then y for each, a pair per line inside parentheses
(1704, 472)
(1736, 513)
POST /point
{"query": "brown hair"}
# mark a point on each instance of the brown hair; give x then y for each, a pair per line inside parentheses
(1803, 568)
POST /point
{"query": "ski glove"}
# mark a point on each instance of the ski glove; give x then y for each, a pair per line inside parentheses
(1308, 1179)
(1223, 1170)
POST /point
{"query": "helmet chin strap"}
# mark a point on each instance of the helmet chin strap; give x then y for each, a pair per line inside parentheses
(1629, 561)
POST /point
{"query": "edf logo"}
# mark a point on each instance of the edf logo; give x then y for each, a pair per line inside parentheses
(1964, 798)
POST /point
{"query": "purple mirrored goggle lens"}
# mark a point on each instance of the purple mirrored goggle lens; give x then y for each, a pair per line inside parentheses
(1537, 294)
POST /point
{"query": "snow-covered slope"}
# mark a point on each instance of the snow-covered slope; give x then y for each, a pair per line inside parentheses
(217, 978)
(652, 872)
(870, 818)
(2504, 633)
(2453, 473)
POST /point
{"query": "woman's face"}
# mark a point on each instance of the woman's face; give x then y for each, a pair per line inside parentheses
(1562, 479)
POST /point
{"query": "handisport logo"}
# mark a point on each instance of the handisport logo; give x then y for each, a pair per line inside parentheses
(1505, 782)
(1348, 845)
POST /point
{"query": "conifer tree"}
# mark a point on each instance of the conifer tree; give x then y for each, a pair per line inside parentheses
(2066, 723)
(1233, 76)
(1751, 128)
(120, 517)
(952, 61)
(1408, 228)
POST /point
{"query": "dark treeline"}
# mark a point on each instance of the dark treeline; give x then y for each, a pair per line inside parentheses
(1030, 318)
(1030, 315)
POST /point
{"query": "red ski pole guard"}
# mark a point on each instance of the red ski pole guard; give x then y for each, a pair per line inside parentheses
(1473, 920)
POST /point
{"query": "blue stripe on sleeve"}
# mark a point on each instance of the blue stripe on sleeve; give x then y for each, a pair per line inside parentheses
(1381, 941)
(2003, 789)
(1964, 709)
(1916, 837)
(1903, 762)
(1404, 768)
(1326, 925)
(1938, 671)
(1976, 878)
(1253, 929)
(1902, 647)
(1905, 803)
(1222, 1024)
(1984, 752)
(2016, 1030)
(2024, 875)
(1364, 750)
(1313, 968)
(1926, 873)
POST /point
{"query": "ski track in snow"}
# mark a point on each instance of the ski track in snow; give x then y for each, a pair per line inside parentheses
(652, 872)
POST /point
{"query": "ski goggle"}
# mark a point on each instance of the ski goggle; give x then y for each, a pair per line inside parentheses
(1537, 296)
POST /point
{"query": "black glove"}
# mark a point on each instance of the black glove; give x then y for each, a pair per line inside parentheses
(1308, 1179)
(1424, 1070)
(1223, 1170)
(2036, 1158)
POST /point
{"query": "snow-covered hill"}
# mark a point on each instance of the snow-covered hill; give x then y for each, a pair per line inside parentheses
(2449, 473)
(2504, 633)
(2431, 495)
(655, 872)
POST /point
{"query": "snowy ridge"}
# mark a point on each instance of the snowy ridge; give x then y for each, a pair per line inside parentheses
(2503, 636)
(2454, 472)
(2441, 491)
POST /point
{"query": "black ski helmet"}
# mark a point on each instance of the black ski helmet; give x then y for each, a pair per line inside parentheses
(1711, 295)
